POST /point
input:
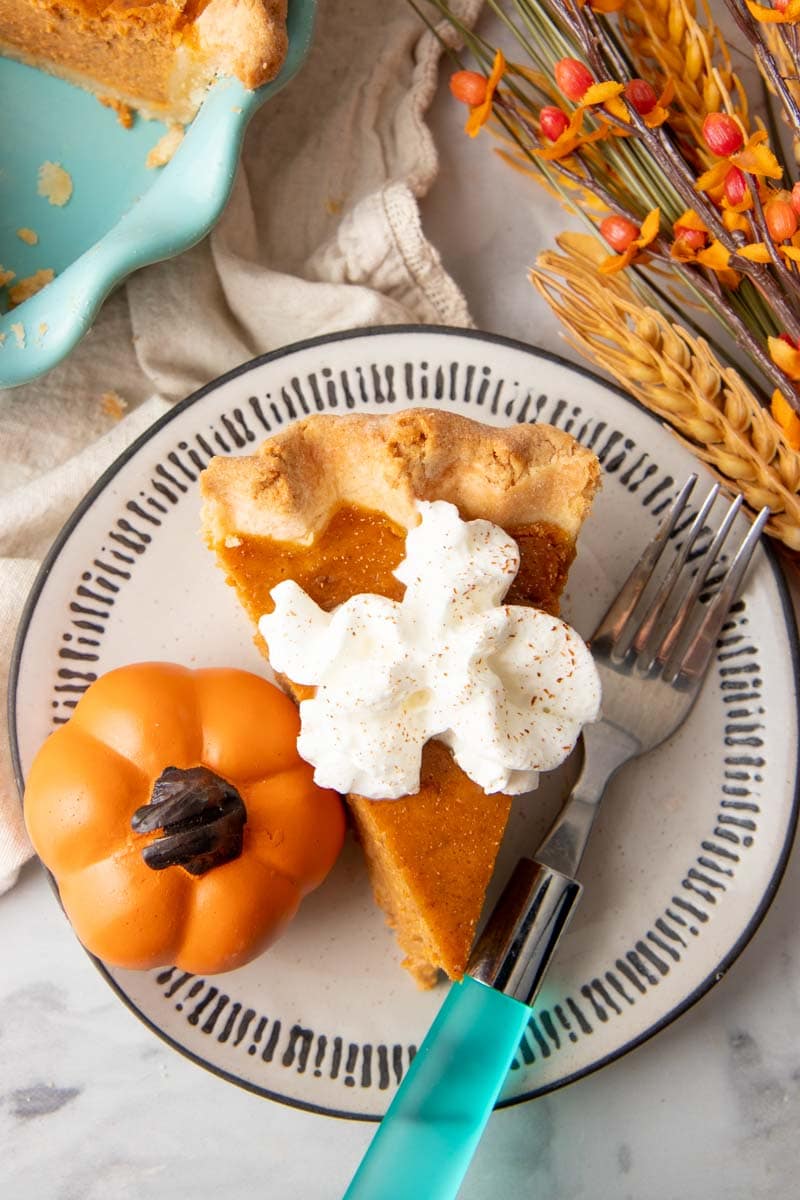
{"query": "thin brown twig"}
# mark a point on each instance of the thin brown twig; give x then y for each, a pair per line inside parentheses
(587, 181)
(766, 61)
(760, 220)
(615, 60)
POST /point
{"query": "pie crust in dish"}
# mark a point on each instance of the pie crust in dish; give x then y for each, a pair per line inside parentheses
(157, 56)
(327, 502)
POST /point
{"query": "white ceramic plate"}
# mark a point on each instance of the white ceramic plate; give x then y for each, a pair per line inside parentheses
(691, 840)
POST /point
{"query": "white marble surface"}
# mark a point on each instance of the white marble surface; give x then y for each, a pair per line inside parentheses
(92, 1105)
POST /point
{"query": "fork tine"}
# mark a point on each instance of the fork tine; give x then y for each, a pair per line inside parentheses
(647, 639)
(693, 662)
(622, 606)
(682, 617)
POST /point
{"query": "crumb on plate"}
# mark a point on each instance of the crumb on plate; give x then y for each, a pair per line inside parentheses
(29, 286)
(165, 147)
(29, 236)
(55, 184)
(18, 330)
(6, 276)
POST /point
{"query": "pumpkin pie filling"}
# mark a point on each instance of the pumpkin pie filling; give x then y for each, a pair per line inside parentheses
(358, 550)
(450, 829)
(158, 56)
(431, 855)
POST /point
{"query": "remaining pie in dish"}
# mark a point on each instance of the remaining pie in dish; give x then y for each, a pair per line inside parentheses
(328, 503)
(158, 56)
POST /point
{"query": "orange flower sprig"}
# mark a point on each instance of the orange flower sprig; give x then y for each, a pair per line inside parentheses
(756, 157)
(739, 177)
(478, 92)
(643, 243)
(783, 12)
(723, 137)
(777, 224)
(659, 153)
(628, 239)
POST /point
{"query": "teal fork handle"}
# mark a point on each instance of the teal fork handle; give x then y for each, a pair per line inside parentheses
(426, 1141)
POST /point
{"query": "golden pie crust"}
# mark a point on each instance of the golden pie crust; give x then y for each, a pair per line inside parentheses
(328, 502)
(158, 56)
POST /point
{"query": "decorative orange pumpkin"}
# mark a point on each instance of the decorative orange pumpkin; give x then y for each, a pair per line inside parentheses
(178, 819)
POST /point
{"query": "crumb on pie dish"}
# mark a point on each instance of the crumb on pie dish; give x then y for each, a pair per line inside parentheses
(328, 504)
(155, 56)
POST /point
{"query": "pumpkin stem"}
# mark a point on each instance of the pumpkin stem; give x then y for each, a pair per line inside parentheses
(202, 817)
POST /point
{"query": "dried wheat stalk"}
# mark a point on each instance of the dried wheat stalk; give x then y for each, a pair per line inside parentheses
(677, 377)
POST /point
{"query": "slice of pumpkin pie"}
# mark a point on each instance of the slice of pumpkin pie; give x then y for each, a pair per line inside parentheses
(328, 504)
(158, 56)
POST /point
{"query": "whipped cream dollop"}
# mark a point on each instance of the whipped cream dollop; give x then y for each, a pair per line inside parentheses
(507, 688)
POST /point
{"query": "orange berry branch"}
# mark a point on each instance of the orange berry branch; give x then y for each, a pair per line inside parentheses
(629, 111)
(724, 138)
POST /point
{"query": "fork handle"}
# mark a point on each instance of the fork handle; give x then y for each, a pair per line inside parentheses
(524, 928)
(426, 1141)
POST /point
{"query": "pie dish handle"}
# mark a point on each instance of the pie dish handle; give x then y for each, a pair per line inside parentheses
(51, 323)
(428, 1137)
(184, 203)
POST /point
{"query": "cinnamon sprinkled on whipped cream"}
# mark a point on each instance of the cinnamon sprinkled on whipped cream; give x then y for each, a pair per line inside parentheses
(507, 688)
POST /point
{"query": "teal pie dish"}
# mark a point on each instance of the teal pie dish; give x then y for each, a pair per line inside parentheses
(122, 215)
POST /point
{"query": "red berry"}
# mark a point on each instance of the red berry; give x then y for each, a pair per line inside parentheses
(641, 96)
(780, 5)
(784, 337)
(735, 186)
(722, 134)
(573, 78)
(794, 199)
(552, 122)
(468, 87)
(781, 220)
(619, 232)
(694, 238)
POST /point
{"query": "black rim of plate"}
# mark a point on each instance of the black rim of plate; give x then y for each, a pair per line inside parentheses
(720, 968)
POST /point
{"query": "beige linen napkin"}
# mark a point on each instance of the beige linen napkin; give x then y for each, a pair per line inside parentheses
(322, 233)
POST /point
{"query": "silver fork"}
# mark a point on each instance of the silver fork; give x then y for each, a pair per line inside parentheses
(652, 650)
